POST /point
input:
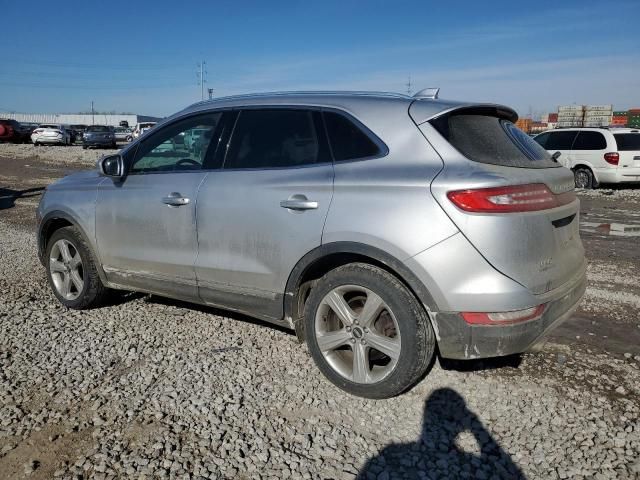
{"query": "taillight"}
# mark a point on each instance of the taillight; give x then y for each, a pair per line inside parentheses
(612, 157)
(511, 199)
(504, 318)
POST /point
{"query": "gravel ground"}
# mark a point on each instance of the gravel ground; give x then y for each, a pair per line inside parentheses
(154, 388)
(54, 154)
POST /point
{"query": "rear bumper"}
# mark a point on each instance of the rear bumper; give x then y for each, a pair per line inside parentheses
(98, 141)
(618, 175)
(459, 340)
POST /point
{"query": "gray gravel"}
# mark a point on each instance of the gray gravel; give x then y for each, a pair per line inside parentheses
(151, 388)
(55, 154)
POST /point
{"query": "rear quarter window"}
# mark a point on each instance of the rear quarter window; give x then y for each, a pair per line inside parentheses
(347, 140)
(561, 140)
(492, 140)
(628, 142)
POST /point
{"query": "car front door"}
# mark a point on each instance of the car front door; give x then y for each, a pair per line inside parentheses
(264, 210)
(145, 224)
(559, 141)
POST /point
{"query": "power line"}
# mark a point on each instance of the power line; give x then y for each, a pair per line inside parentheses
(202, 74)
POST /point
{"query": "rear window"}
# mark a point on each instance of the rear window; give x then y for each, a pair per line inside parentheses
(348, 141)
(98, 128)
(628, 141)
(492, 140)
(590, 141)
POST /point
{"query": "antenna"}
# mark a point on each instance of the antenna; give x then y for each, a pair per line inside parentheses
(408, 85)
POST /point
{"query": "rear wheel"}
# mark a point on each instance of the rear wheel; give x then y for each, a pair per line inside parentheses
(584, 178)
(366, 332)
(72, 270)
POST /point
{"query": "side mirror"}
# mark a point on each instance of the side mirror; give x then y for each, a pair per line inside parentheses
(111, 166)
(556, 156)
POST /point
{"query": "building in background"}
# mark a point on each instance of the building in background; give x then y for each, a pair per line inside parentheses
(524, 124)
(112, 119)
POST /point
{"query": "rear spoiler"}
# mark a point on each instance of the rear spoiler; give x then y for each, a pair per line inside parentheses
(422, 111)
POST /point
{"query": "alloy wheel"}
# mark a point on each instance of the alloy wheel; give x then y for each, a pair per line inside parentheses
(65, 267)
(357, 334)
(581, 179)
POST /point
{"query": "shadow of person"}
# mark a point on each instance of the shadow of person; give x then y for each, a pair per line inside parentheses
(453, 444)
(8, 196)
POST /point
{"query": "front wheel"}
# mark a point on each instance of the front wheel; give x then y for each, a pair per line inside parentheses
(366, 331)
(72, 270)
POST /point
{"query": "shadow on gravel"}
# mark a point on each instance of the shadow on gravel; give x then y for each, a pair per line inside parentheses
(439, 452)
(8, 196)
(496, 363)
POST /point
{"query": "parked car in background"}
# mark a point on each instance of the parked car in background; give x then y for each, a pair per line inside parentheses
(79, 131)
(142, 127)
(14, 132)
(380, 227)
(596, 155)
(99, 136)
(51, 133)
(123, 134)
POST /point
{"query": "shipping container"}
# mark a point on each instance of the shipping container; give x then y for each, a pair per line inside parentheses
(553, 117)
(605, 108)
(620, 113)
(570, 108)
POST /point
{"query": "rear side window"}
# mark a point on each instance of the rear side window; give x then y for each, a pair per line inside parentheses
(561, 140)
(542, 139)
(628, 141)
(275, 138)
(348, 141)
(590, 141)
(492, 140)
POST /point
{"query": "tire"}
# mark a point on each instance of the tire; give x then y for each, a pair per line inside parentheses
(400, 320)
(583, 178)
(90, 292)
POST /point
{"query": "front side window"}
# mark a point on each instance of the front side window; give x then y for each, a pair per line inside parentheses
(590, 141)
(274, 139)
(542, 139)
(181, 146)
(562, 140)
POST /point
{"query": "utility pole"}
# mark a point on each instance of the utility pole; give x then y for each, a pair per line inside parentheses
(408, 85)
(202, 74)
(92, 114)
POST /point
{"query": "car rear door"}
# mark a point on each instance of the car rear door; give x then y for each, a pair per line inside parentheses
(264, 210)
(146, 224)
(589, 149)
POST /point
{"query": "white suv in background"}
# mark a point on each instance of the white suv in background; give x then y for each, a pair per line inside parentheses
(596, 155)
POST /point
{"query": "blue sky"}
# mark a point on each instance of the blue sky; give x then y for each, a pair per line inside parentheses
(141, 56)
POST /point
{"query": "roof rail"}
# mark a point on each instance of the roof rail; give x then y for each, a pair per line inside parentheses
(312, 92)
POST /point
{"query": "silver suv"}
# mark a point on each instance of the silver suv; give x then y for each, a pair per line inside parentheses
(379, 227)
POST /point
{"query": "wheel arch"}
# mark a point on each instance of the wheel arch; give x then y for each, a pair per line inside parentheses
(329, 256)
(54, 221)
(587, 166)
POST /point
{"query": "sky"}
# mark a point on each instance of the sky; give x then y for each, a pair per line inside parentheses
(142, 56)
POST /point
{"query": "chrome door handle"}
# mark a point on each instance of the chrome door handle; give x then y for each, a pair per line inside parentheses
(299, 202)
(174, 199)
